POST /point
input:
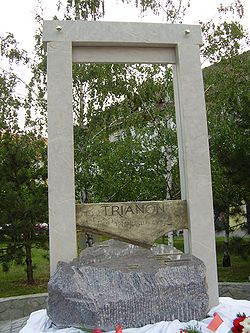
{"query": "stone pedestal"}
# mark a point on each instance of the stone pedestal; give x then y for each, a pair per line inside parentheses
(115, 282)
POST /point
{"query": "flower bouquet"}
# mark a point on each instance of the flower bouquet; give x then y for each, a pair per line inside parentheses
(241, 324)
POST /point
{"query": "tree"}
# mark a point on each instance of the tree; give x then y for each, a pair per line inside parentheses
(106, 96)
(135, 105)
(120, 180)
(23, 197)
(127, 146)
(95, 9)
(97, 101)
(227, 100)
(23, 175)
(229, 118)
(125, 140)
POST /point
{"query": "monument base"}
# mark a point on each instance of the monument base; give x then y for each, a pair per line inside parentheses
(114, 282)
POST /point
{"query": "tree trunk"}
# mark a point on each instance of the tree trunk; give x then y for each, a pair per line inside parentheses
(226, 262)
(28, 260)
(248, 216)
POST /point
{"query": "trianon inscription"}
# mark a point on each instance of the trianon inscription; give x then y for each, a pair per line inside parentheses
(140, 222)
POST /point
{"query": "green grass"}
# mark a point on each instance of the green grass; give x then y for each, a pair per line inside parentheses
(13, 283)
(178, 243)
(238, 272)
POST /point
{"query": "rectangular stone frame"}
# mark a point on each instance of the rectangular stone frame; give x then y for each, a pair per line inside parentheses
(119, 42)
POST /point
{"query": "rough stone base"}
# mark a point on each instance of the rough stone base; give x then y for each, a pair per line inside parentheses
(114, 282)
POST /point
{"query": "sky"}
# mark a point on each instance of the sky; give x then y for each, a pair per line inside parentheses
(17, 16)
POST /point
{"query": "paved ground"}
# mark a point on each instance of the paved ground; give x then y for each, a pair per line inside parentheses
(12, 326)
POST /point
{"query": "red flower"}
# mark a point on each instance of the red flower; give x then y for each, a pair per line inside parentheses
(118, 329)
(97, 330)
(237, 328)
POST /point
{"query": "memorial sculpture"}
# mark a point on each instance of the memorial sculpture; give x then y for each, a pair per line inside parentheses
(115, 282)
(119, 282)
(133, 283)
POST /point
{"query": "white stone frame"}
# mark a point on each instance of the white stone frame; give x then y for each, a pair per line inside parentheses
(119, 42)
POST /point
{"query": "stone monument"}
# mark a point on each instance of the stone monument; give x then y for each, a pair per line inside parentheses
(109, 42)
(114, 282)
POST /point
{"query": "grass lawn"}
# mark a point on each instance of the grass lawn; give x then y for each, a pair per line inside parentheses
(238, 272)
(14, 282)
(240, 264)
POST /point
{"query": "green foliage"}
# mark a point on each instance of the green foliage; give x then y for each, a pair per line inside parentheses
(237, 272)
(239, 269)
(23, 165)
(227, 37)
(129, 103)
(23, 197)
(240, 247)
(13, 282)
(10, 102)
(228, 100)
(125, 102)
(125, 136)
(125, 139)
(10, 50)
(19, 100)
(95, 9)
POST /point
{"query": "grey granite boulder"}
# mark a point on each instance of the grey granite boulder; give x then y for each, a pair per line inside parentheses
(114, 282)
